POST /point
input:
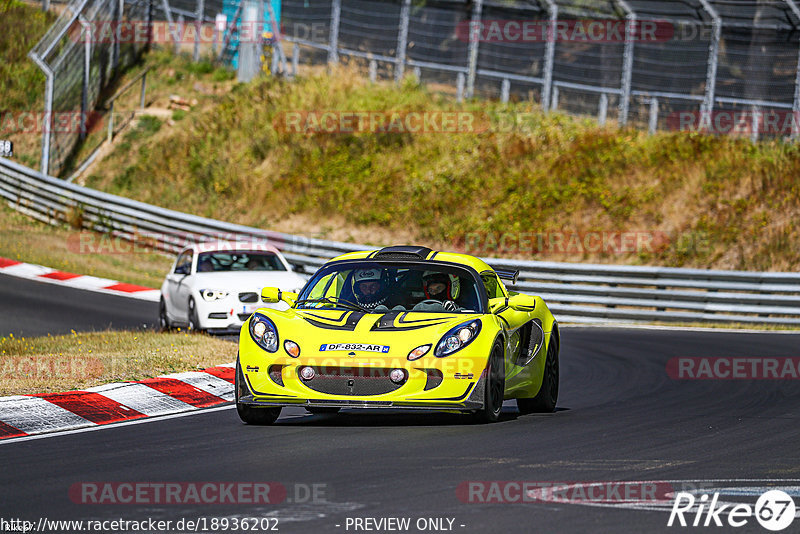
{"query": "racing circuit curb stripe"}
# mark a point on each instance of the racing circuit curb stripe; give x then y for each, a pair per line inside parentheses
(24, 415)
(32, 271)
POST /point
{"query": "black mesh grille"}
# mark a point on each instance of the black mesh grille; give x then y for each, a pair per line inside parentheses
(248, 297)
(396, 256)
(352, 381)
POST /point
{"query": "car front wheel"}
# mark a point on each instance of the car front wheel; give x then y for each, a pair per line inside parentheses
(250, 414)
(495, 387)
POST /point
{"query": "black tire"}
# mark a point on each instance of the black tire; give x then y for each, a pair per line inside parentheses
(545, 400)
(322, 410)
(194, 320)
(249, 414)
(495, 387)
(163, 320)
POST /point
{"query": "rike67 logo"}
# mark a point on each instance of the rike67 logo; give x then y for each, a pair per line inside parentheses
(774, 510)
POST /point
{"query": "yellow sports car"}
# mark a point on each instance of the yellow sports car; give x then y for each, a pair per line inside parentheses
(400, 327)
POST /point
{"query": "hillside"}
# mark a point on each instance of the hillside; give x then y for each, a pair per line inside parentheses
(553, 187)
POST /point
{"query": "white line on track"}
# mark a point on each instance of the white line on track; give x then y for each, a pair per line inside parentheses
(199, 411)
(721, 330)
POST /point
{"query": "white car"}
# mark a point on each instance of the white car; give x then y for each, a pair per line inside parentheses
(216, 286)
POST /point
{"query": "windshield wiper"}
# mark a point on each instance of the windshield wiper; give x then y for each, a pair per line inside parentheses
(336, 301)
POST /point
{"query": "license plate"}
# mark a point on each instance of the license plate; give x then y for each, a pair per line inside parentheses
(364, 347)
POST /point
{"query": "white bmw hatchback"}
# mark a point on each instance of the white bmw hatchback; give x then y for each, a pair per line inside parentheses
(216, 286)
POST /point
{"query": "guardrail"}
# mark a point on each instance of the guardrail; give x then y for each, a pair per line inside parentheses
(577, 292)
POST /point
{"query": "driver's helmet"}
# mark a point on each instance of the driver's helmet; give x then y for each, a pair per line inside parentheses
(440, 286)
(369, 287)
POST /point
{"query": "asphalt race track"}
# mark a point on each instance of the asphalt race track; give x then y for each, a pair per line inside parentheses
(31, 308)
(620, 417)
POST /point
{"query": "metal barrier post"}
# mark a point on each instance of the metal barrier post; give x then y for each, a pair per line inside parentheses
(143, 91)
(198, 21)
(295, 58)
(402, 41)
(652, 123)
(173, 30)
(549, 55)
(627, 62)
(87, 67)
(333, 38)
(713, 59)
(505, 89)
(373, 70)
(602, 111)
(796, 101)
(755, 123)
(554, 103)
(474, 40)
(276, 35)
(48, 111)
(459, 87)
(110, 135)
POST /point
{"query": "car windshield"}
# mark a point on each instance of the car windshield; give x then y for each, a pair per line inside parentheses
(379, 287)
(210, 262)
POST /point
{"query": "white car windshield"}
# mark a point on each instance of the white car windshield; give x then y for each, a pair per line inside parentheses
(209, 262)
(380, 287)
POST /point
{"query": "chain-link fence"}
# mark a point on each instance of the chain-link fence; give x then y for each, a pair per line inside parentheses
(712, 65)
(715, 65)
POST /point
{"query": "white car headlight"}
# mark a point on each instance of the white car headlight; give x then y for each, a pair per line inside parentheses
(210, 295)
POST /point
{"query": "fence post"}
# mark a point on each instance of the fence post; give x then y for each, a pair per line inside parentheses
(373, 70)
(180, 32)
(549, 55)
(45, 5)
(143, 91)
(459, 86)
(295, 58)
(554, 102)
(117, 19)
(713, 57)
(474, 40)
(110, 135)
(652, 123)
(333, 38)
(627, 63)
(755, 124)
(402, 41)
(796, 102)
(87, 66)
(505, 89)
(48, 111)
(173, 30)
(602, 111)
(198, 20)
(277, 37)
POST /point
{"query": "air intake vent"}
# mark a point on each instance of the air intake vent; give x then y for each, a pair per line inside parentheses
(403, 252)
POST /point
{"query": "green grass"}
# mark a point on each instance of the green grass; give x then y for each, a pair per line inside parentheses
(66, 249)
(21, 81)
(716, 201)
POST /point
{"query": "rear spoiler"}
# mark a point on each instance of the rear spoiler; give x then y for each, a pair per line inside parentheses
(508, 274)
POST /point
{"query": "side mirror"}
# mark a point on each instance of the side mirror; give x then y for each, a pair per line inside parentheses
(273, 295)
(522, 303)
